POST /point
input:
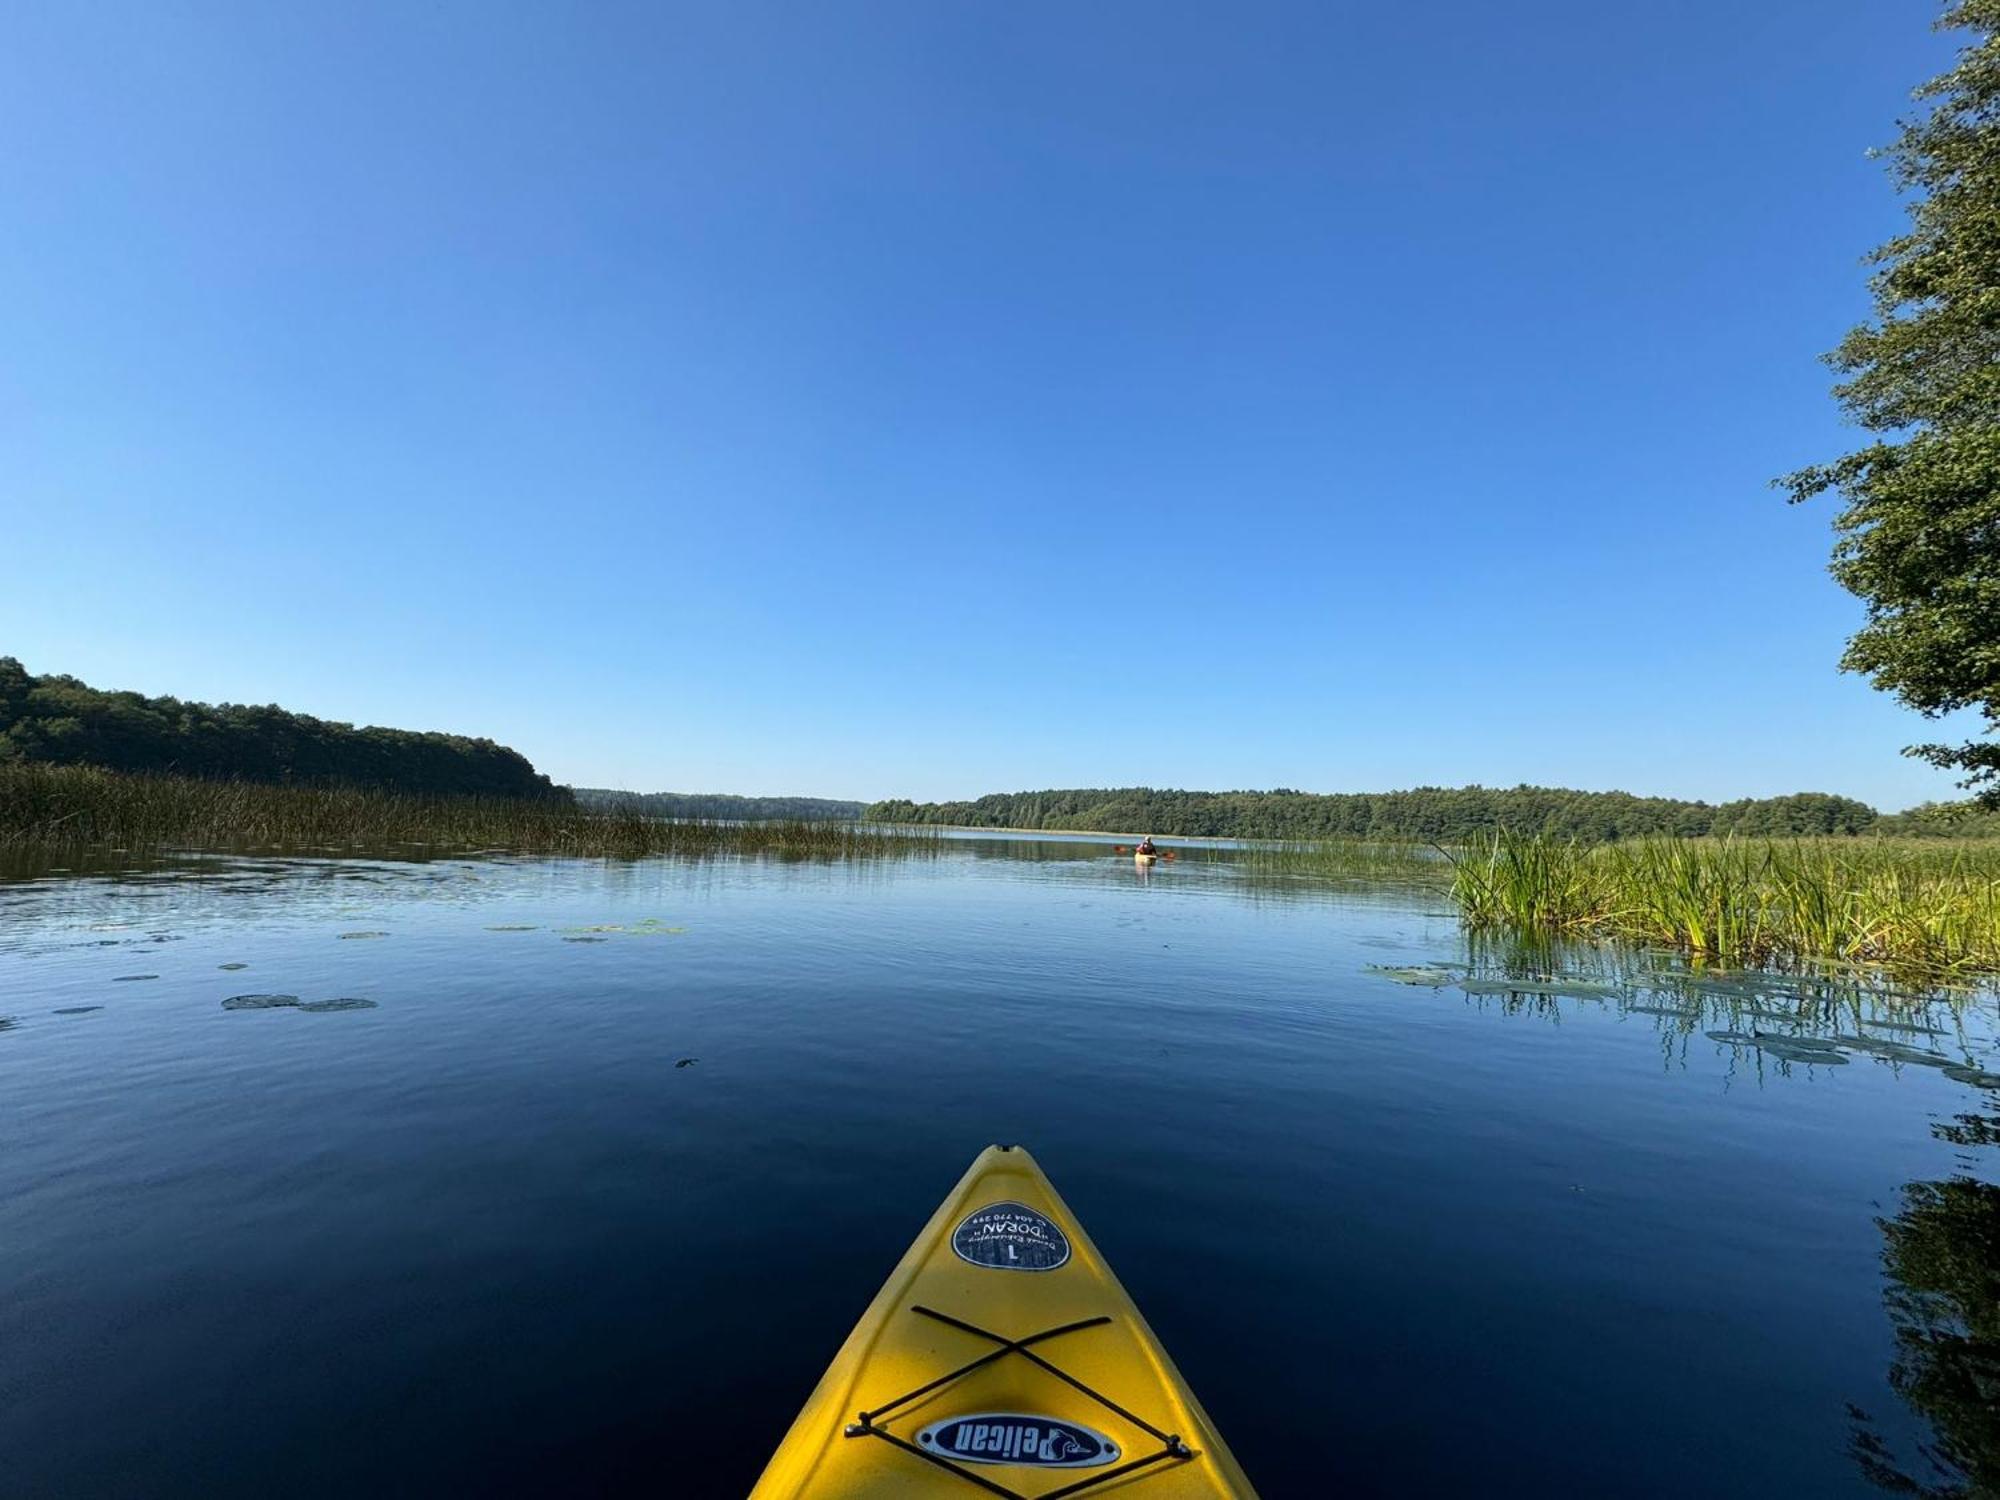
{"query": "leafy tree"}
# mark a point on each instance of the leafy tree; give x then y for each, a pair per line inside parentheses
(1951, 820)
(1919, 537)
(61, 721)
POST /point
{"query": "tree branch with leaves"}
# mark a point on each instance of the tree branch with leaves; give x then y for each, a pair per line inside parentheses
(1918, 539)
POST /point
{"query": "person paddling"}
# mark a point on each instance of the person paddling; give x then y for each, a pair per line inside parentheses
(1146, 846)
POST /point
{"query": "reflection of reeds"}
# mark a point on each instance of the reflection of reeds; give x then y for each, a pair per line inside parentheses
(78, 806)
(1927, 905)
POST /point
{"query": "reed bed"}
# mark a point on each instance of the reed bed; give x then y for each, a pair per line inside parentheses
(68, 807)
(1345, 859)
(1927, 906)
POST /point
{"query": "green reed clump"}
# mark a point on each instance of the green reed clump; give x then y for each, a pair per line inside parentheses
(1345, 859)
(1538, 884)
(79, 806)
(1926, 905)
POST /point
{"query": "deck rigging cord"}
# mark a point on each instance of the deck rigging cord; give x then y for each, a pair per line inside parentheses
(864, 1425)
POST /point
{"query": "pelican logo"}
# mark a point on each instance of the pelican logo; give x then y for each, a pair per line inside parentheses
(1010, 1237)
(1011, 1437)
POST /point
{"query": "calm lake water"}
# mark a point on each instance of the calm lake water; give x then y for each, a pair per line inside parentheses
(586, 1196)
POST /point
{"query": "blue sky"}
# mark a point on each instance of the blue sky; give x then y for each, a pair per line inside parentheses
(935, 398)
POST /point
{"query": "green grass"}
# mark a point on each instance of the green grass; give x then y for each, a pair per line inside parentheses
(1929, 906)
(72, 807)
(1345, 859)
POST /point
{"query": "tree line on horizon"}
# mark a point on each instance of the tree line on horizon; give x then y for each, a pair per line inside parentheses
(58, 720)
(720, 805)
(1439, 814)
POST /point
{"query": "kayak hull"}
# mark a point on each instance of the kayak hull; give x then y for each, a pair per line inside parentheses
(1144, 859)
(1001, 1263)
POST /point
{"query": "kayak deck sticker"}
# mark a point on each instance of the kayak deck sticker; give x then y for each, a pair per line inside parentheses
(1012, 1437)
(1010, 1236)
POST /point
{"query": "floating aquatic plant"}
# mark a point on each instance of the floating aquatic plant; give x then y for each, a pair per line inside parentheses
(1977, 1077)
(259, 1002)
(293, 1002)
(651, 927)
(1433, 976)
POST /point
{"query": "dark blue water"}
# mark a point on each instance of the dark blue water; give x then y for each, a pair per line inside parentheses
(495, 1234)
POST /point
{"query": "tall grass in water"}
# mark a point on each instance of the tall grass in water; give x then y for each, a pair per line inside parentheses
(1343, 859)
(56, 807)
(1925, 905)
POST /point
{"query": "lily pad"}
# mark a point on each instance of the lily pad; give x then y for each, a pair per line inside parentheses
(1573, 989)
(133, 978)
(74, 1010)
(514, 927)
(650, 927)
(1431, 975)
(1907, 1028)
(1733, 986)
(232, 968)
(1893, 1051)
(345, 1002)
(1583, 989)
(350, 936)
(260, 1002)
(1789, 1049)
(1977, 1077)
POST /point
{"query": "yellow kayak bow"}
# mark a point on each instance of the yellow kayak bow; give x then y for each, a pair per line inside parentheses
(1002, 1357)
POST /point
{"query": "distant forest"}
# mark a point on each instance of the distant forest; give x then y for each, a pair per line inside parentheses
(56, 720)
(721, 805)
(1443, 814)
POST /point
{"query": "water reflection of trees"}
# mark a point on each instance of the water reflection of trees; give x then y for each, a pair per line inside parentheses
(1941, 1255)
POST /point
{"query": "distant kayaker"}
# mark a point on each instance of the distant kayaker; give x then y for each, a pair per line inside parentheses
(1146, 845)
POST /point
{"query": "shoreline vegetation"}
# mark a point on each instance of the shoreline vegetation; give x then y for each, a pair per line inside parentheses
(1802, 880)
(1442, 815)
(54, 720)
(44, 807)
(1922, 907)
(719, 805)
